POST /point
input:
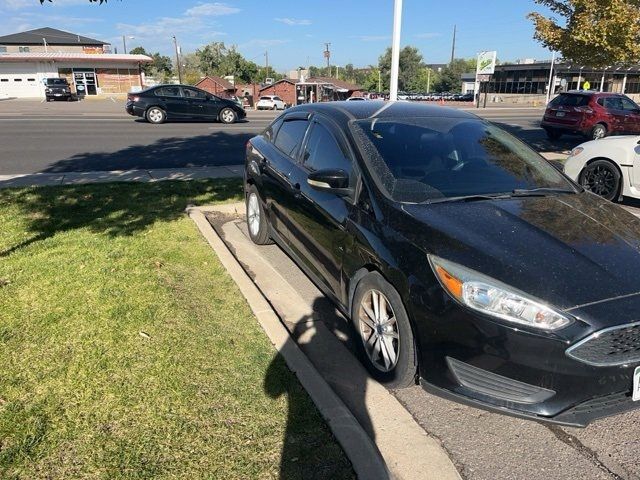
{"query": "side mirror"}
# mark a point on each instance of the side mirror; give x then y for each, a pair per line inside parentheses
(331, 181)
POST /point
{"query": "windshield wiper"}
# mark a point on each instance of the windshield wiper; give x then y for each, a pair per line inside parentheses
(538, 192)
(468, 198)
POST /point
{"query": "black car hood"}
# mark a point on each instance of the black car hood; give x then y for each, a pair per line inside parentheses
(568, 250)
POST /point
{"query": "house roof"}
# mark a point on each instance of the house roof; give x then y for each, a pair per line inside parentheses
(52, 36)
(73, 57)
(287, 80)
(223, 82)
(334, 81)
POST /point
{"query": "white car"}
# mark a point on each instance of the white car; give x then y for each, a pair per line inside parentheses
(609, 167)
(355, 99)
(270, 102)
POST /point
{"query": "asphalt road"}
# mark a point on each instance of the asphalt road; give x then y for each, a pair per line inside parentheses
(99, 135)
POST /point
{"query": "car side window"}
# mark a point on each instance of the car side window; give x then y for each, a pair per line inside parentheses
(195, 94)
(323, 151)
(628, 105)
(277, 98)
(290, 136)
(168, 92)
(613, 103)
(272, 129)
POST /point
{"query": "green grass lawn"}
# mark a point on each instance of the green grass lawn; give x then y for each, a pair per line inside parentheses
(126, 351)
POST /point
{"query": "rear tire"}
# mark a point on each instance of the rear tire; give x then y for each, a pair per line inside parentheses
(598, 131)
(602, 178)
(386, 345)
(156, 115)
(257, 222)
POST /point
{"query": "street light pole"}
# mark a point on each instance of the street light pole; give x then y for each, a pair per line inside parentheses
(395, 50)
(175, 44)
(553, 62)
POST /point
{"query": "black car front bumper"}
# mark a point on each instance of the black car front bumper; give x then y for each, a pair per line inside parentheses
(487, 364)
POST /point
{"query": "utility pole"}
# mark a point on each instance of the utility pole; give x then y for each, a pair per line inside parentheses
(379, 80)
(175, 44)
(428, 80)
(266, 67)
(124, 43)
(453, 45)
(395, 50)
(327, 55)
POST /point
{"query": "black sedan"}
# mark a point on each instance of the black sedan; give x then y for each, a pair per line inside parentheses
(464, 260)
(181, 102)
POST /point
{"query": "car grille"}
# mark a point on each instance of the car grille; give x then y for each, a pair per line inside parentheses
(612, 346)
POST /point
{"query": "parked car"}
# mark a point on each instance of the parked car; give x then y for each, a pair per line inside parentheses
(57, 88)
(461, 257)
(270, 102)
(607, 167)
(179, 102)
(592, 114)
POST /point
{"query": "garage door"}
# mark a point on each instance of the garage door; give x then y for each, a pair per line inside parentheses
(18, 83)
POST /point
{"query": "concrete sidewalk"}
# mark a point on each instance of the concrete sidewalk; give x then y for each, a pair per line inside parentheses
(157, 175)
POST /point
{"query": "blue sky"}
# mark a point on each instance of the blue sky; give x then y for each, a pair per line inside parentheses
(293, 32)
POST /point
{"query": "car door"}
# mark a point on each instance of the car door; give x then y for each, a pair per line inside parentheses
(289, 133)
(197, 104)
(631, 117)
(615, 113)
(317, 230)
(171, 100)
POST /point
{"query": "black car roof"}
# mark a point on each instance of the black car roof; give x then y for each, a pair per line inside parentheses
(347, 111)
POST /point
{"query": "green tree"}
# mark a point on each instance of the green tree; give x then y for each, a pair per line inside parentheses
(160, 67)
(593, 32)
(410, 65)
(217, 59)
(449, 80)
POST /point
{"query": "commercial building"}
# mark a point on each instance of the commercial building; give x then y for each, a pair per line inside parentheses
(28, 58)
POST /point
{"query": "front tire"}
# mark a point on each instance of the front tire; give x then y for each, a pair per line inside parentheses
(387, 344)
(257, 222)
(156, 115)
(228, 116)
(598, 131)
(602, 178)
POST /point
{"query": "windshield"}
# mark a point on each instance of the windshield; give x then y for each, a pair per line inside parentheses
(57, 81)
(422, 159)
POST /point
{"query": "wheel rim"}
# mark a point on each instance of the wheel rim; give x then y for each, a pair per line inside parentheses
(228, 116)
(253, 214)
(379, 330)
(598, 133)
(600, 180)
(155, 115)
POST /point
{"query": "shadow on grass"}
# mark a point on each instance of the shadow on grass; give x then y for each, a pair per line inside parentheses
(112, 209)
(217, 149)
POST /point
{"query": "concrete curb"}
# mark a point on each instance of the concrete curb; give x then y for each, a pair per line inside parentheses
(152, 175)
(361, 451)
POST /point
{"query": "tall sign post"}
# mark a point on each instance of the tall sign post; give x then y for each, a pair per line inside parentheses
(395, 50)
(485, 68)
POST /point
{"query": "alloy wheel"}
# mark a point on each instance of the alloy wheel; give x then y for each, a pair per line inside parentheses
(599, 132)
(155, 115)
(253, 214)
(379, 330)
(600, 180)
(228, 116)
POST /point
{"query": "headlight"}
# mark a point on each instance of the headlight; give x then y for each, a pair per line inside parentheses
(491, 297)
(576, 151)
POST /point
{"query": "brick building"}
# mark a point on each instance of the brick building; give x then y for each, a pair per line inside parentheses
(217, 86)
(28, 58)
(285, 89)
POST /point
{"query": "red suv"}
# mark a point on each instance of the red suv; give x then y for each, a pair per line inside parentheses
(592, 114)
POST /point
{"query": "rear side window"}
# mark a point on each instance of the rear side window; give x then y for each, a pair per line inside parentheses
(277, 98)
(290, 135)
(272, 129)
(168, 92)
(570, 101)
(612, 103)
(323, 151)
